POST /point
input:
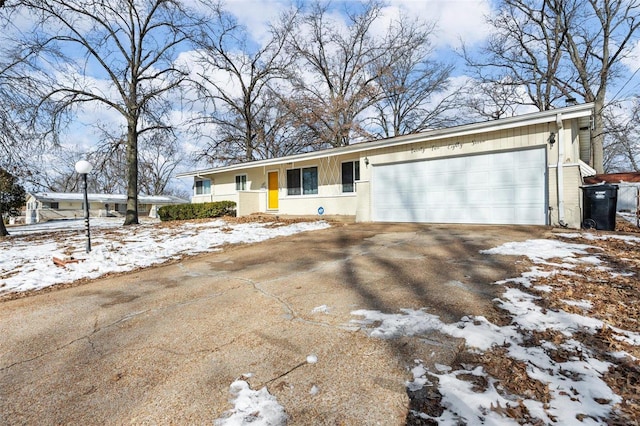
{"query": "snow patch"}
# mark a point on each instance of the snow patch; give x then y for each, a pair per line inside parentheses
(574, 385)
(541, 250)
(26, 263)
(322, 309)
(254, 408)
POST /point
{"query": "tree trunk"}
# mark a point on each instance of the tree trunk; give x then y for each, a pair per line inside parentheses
(131, 217)
(597, 138)
(3, 229)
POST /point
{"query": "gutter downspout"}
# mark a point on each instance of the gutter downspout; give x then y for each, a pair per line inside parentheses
(560, 171)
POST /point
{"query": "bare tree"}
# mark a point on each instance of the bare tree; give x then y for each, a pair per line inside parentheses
(233, 86)
(158, 152)
(340, 67)
(11, 109)
(20, 138)
(525, 51)
(160, 155)
(131, 43)
(622, 142)
(110, 166)
(561, 48)
(276, 126)
(491, 99)
(60, 174)
(410, 85)
(598, 38)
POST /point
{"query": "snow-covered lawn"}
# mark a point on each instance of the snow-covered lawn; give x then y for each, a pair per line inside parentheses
(26, 256)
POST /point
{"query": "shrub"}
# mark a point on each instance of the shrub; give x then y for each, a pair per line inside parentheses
(197, 211)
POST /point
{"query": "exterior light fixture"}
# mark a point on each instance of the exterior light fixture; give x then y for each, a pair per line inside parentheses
(366, 161)
(552, 138)
(83, 167)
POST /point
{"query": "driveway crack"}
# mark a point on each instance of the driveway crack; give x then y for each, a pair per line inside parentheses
(36, 357)
(96, 329)
(287, 307)
(256, 285)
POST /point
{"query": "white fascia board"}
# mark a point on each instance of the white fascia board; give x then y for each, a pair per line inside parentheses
(104, 198)
(160, 199)
(58, 196)
(541, 117)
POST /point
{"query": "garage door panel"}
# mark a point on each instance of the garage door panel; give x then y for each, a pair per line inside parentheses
(521, 196)
(434, 198)
(496, 215)
(453, 180)
(453, 199)
(502, 176)
(499, 197)
(528, 215)
(480, 160)
(478, 197)
(528, 174)
(455, 165)
(493, 188)
(477, 178)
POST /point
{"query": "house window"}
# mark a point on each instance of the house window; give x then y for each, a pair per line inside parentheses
(203, 187)
(350, 174)
(302, 181)
(241, 182)
(293, 182)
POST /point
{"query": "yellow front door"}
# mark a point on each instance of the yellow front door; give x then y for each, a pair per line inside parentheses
(272, 204)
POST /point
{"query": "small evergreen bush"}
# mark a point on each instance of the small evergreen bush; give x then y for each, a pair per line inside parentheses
(197, 211)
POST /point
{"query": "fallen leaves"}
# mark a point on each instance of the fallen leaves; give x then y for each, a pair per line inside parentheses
(608, 291)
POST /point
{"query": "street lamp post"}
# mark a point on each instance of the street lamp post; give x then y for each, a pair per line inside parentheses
(83, 167)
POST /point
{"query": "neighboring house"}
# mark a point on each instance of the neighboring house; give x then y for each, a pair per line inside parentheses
(628, 188)
(518, 170)
(43, 206)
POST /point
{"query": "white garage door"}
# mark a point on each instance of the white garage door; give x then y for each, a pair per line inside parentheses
(496, 188)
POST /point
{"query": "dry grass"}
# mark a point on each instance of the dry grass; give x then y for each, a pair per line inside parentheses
(613, 295)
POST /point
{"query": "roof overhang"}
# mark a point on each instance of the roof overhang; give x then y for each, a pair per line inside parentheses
(542, 117)
(586, 170)
(104, 198)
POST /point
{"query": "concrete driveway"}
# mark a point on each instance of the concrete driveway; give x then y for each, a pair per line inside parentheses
(162, 345)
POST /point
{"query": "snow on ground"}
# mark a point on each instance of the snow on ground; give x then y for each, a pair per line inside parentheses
(26, 256)
(252, 407)
(629, 217)
(577, 393)
(592, 237)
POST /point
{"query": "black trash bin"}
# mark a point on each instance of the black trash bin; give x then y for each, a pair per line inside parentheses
(599, 206)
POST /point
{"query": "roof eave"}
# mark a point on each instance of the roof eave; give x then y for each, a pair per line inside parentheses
(103, 198)
(570, 112)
